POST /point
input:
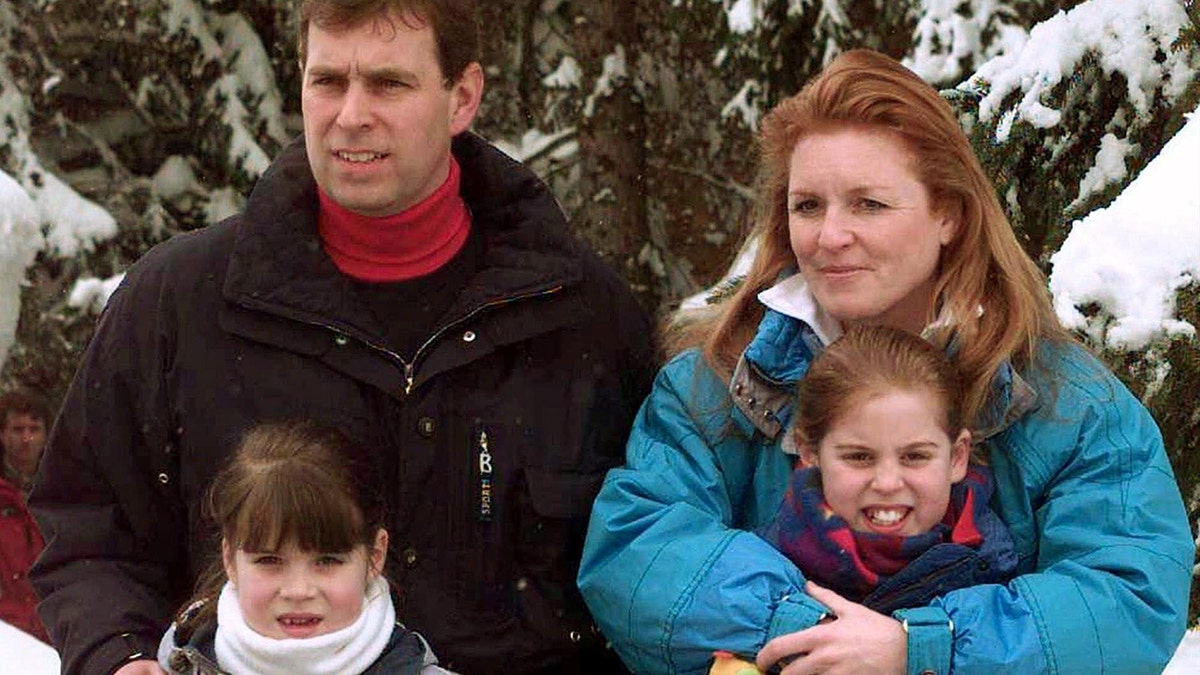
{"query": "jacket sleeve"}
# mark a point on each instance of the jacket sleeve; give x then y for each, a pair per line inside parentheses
(666, 575)
(1112, 548)
(105, 496)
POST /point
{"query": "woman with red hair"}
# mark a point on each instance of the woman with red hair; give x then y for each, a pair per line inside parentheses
(875, 211)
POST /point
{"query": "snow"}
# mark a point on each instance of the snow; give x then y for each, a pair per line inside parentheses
(743, 15)
(91, 294)
(22, 654)
(612, 73)
(1131, 257)
(950, 32)
(567, 75)
(744, 105)
(1124, 36)
(20, 239)
(174, 177)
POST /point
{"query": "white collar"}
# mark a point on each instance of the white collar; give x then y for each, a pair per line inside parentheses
(348, 651)
(791, 297)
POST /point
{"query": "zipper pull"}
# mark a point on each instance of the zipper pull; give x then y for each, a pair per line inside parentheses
(408, 378)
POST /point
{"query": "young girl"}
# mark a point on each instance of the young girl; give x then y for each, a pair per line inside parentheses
(299, 587)
(884, 506)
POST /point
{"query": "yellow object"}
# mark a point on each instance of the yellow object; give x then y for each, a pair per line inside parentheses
(725, 663)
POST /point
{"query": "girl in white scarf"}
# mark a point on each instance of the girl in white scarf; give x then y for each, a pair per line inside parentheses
(300, 588)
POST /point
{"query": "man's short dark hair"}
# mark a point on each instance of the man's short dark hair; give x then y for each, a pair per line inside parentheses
(455, 25)
(24, 401)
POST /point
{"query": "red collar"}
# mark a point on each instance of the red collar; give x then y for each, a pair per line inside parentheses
(402, 246)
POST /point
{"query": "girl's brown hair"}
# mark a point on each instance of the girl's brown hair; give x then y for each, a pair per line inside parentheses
(287, 482)
(867, 361)
(989, 295)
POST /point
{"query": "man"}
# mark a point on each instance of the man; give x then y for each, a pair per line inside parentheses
(23, 414)
(397, 277)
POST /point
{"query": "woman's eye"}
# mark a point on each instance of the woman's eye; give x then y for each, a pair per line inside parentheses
(804, 206)
(872, 205)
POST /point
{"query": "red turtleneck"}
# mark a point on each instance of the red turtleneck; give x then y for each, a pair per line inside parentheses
(402, 246)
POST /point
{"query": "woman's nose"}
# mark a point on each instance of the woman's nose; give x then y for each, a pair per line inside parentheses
(834, 230)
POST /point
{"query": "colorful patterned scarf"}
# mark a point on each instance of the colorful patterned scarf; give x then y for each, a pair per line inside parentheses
(851, 563)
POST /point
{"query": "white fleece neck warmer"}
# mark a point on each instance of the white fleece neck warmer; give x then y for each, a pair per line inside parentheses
(348, 651)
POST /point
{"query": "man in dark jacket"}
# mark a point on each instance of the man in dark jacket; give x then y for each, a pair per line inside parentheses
(399, 278)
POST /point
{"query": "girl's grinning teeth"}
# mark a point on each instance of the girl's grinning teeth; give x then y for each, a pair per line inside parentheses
(885, 517)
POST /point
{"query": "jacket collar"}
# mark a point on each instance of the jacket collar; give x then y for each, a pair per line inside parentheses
(279, 266)
(792, 332)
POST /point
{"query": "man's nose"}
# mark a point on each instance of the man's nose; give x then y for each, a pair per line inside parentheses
(356, 107)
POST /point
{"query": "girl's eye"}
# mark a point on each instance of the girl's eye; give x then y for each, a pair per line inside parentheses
(330, 560)
(267, 560)
(916, 457)
(857, 457)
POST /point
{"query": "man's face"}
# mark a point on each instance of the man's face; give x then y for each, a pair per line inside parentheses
(378, 116)
(23, 436)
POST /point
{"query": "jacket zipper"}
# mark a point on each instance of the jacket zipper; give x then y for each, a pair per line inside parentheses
(409, 367)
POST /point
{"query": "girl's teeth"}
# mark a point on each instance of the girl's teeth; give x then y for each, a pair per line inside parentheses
(885, 516)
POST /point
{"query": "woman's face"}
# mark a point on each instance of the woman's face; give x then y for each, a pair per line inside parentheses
(862, 227)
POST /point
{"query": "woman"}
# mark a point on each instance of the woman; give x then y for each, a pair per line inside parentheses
(875, 211)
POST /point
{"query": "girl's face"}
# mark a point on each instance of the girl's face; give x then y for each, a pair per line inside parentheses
(291, 593)
(887, 463)
(865, 235)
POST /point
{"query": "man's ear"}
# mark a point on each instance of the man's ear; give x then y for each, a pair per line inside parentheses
(960, 456)
(378, 553)
(465, 95)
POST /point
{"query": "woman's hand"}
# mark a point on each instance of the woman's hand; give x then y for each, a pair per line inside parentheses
(858, 640)
(141, 667)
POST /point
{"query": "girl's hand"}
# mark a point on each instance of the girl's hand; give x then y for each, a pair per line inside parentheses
(858, 640)
(141, 667)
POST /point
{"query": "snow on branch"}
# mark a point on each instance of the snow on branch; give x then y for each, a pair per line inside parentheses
(1130, 37)
(613, 72)
(953, 34)
(246, 96)
(1126, 262)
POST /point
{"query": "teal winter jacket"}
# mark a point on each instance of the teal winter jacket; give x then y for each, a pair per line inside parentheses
(672, 570)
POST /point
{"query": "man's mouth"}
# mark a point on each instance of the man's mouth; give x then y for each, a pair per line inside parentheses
(359, 157)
